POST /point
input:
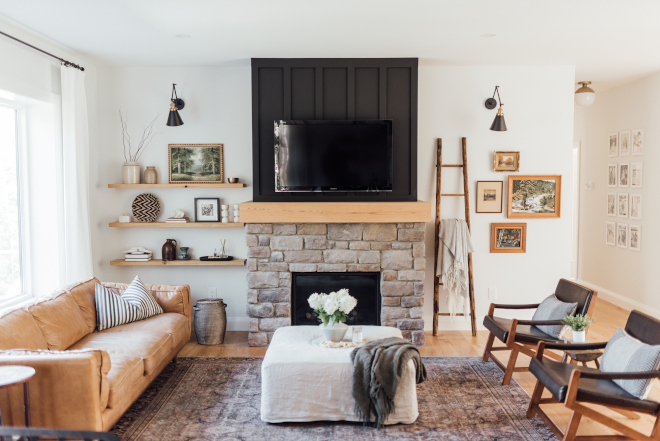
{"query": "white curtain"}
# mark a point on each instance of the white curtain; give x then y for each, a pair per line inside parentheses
(75, 177)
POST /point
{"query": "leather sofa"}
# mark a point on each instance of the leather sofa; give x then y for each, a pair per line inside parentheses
(85, 379)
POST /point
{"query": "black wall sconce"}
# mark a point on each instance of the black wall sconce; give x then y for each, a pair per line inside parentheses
(498, 124)
(177, 104)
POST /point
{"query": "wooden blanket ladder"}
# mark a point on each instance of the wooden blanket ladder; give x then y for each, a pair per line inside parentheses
(466, 197)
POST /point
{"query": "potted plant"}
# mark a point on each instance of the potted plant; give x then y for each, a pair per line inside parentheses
(332, 309)
(578, 324)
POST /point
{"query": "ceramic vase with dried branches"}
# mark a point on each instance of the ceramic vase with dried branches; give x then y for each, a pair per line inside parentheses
(130, 171)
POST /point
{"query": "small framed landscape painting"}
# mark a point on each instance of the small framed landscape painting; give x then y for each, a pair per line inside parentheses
(624, 174)
(612, 175)
(622, 205)
(614, 145)
(622, 235)
(506, 161)
(637, 142)
(636, 237)
(489, 196)
(636, 174)
(624, 143)
(198, 163)
(508, 238)
(207, 209)
(636, 206)
(534, 196)
(611, 204)
(610, 233)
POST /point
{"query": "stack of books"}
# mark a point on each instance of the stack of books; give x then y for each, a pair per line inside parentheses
(177, 219)
(138, 254)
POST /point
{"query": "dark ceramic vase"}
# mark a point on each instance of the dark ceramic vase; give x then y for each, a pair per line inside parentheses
(169, 250)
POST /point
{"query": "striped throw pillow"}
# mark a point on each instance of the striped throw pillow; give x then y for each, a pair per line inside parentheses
(112, 310)
(137, 295)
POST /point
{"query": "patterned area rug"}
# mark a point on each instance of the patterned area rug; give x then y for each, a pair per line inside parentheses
(217, 398)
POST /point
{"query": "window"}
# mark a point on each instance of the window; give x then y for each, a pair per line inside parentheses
(10, 238)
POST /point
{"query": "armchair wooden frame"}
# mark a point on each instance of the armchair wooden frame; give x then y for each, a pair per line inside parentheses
(579, 410)
(517, 347)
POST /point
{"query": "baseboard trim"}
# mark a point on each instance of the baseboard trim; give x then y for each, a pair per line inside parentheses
(620, 300)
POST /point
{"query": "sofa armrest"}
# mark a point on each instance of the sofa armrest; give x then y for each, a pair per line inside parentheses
(69, 390)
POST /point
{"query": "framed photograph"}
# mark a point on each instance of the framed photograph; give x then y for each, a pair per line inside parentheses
(614, 145)
(624, 174)
(508, 238)
(636, 206)
(636, 237)
(506, 161)
(534, 196)
(198, 163)
(207, 209)
(624, 143)
(610, 233)
(489, 196)
(622, 235)
(637, 142)
(612, 175)
(611, 204)
(622, 205)
(636, 174)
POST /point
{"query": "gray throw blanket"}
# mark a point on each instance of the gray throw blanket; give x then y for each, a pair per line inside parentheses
(377, 369)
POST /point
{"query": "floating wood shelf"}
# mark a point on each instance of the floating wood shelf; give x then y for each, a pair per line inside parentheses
(192, 262)
(176, 225)
(335, 212)
(191, 185)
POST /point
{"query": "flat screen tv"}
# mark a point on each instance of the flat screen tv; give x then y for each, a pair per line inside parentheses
(333, 156)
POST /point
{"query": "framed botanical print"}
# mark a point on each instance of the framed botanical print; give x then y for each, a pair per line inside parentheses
(207, 209)
(489, 196)
(198, 163)
(624, 174)
(622, 204)
(624, 143)
(637, 142)
(508, 238)
(635, 237)
(636, 174)
(612, 175)
(636, 206)
(614, 145)
(610, 233)
(622, 235)
(611, 204)
(506, 161)
(534, 196)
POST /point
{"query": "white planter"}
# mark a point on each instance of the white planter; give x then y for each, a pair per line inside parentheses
(334, 331)
(130, 173)
(579, 336)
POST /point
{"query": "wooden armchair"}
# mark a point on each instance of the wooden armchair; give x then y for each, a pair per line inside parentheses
(523, 335)
(572, 386)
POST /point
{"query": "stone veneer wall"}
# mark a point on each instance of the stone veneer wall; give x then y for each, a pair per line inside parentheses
(277, 250)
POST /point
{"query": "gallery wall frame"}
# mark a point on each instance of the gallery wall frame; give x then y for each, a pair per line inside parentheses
(622, 231)
(506, 161)
(624, 174)
(624, 143)
(203, 163)
(622, 205)
(610, 233)
(635, 206)
(508, 237)
(635, 233)
(637, 142)
(534, 196)
(489, 196)
(611, 204)
(613, 175)
(614, 145)
(636, 174)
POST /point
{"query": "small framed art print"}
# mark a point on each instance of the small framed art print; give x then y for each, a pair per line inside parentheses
(489, 196)
(614, 145)
(612, 175)
(506, 161)
(635, 237)
(610, 233)
(622, 235)
(508, 238)
(637, 142)
(622, 204)
(624, 174)
(636, 174)
(207, 209)
(636, 206)
(624, 143)
(611, 204)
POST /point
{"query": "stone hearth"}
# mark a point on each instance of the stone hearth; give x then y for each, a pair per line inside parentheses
(275, 251)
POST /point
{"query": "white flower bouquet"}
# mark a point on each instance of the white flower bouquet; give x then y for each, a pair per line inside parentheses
(332, 308)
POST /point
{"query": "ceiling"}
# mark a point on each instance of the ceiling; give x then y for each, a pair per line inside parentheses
(610, 42)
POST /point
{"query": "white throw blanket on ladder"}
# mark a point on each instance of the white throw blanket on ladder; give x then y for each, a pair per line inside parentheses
(453, 263)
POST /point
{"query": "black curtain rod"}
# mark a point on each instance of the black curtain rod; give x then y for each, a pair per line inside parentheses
(62, 60)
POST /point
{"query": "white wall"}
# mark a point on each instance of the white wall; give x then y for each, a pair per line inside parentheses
(625, 277)
(538, 110)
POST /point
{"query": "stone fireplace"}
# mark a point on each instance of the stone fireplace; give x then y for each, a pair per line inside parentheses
(276, 251)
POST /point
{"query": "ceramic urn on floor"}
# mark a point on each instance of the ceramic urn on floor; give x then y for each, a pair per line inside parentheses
(210, 321)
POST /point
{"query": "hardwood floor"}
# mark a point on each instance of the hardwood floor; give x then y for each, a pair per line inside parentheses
(608, 318)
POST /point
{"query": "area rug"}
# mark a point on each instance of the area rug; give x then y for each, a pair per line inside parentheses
(218, 398)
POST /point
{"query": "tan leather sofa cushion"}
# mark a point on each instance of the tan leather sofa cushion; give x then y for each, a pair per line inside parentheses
(18, 330)
(176, 325)
(83, 294)
(60, 320)
(152, 347)
(126, 372)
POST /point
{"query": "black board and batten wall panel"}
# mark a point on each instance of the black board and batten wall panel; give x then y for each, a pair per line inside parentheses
(335, 89)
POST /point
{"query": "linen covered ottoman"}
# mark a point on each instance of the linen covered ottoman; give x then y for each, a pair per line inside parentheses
(302, 381)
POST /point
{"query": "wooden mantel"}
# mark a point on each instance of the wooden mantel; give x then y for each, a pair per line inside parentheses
(335, 212)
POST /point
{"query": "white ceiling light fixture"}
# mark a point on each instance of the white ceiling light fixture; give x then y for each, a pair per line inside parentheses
(585, 96)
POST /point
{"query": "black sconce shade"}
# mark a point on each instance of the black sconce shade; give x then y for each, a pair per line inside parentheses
(177, 103)
(498, 123)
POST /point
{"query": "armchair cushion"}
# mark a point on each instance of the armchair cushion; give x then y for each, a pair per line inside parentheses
(500, 328)
(625, 353)
(553, 309)
(555, 376)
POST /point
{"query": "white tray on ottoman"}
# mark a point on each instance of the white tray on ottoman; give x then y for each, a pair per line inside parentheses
(303, 382)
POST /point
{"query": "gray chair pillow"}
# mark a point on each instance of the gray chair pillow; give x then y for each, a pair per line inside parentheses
(625, 353)
(553, 309)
